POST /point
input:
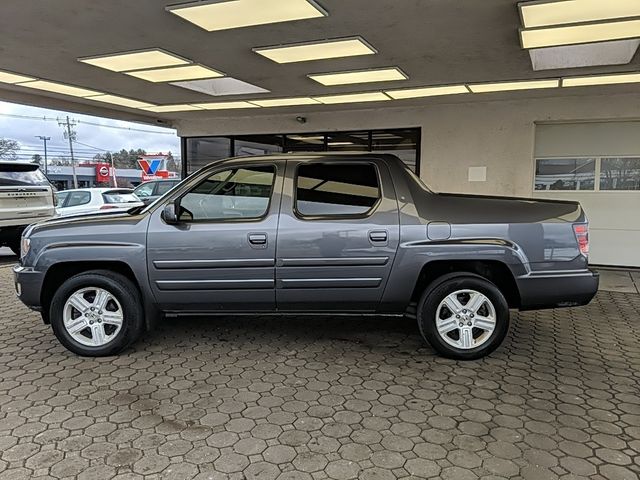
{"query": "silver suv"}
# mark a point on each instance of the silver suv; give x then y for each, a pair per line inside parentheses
(26, 197)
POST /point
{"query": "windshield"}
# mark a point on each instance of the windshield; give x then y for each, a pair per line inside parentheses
(120, 197)
(21, 174)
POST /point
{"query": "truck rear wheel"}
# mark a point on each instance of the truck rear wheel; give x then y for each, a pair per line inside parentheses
(463, 316)
(97, 313)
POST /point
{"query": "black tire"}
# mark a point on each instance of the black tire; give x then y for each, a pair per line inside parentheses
(438, 291)
(125, 292)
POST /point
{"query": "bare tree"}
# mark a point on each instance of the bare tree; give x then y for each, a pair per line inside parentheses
(8, 149)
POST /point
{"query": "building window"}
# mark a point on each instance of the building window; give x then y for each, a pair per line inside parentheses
(404, 143)
(335, 189)
(246, 146)
(202, 151)
(620, 174)
(235, 194)
(565, 174)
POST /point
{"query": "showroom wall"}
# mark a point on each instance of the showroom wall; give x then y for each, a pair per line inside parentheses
(498, 135)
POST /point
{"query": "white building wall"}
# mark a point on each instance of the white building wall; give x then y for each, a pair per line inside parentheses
(497, 134)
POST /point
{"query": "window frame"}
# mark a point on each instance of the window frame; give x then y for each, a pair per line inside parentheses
(347, 216)
(267, 212)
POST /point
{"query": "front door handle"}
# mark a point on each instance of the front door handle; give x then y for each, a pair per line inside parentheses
(378, 236)
(258, 240)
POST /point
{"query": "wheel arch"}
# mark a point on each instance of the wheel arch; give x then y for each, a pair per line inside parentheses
(495, 271)
(59, 272)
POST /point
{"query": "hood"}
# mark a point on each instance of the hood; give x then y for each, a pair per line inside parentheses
(113, 221)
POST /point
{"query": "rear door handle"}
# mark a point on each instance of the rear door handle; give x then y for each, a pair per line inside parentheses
(258, 240)
(378, 236)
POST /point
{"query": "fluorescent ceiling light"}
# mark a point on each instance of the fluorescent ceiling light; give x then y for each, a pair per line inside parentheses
(353, 98)
(8, 77)
(426, 92)
(60, 88)
(618, 52)
(285, 102)
(583, 33)
(225, 105)
(175, 74)
(509, 86)
(361, 76)
(124, 62)
(545, 13)
(601, 80)
(125, 102)
(214, 15)
(172, 108)
(304, 52)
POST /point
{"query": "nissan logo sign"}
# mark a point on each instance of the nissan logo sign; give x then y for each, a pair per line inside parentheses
(104, 171)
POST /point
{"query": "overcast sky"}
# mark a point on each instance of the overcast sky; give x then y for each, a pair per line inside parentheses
(111, 135)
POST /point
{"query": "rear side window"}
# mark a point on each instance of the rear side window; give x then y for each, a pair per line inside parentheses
(75, 199)
(21, 174)
(333, 189)
(116, 196)
(164, 187)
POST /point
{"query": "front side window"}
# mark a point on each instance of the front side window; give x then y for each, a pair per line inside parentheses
(233, 194)
(144, 190)
(333, 189)
(78, 198)
(565, 174)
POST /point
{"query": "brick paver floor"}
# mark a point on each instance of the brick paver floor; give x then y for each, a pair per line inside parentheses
(314, 398)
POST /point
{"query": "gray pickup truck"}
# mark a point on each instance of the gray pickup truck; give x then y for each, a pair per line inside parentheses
(314, 233)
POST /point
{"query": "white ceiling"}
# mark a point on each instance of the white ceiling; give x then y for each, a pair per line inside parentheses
(433, 41)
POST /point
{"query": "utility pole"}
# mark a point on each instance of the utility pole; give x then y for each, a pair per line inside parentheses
(71, 136)
(44, 139)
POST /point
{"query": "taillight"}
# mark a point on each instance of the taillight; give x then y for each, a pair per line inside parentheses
(582, 236)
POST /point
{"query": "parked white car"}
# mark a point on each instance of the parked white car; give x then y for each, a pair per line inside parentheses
(26, 197)
(96, 200)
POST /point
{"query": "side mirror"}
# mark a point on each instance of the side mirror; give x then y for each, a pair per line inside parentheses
(170, 213)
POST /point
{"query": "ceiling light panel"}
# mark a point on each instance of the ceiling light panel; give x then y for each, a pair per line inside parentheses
(225, 105)
(601, 80)
(215, 15)
(577, 34)
(60, 88)
(510, 86)
(125, 102)
(304, 52)
(9, 77)
(172, 108)
(124, 62)
(285, 102)
(361, 76)
(353, 98)
(176, 74)
(546, 13)
(426, 92)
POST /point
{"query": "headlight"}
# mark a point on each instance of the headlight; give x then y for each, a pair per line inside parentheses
(25, 245)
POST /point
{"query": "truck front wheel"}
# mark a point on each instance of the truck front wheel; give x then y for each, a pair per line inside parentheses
(463, 316)
(97, 313)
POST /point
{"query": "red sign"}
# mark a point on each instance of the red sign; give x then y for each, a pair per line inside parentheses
(103, 172)
(159, 175)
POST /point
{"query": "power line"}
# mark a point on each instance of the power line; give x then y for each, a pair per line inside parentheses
(84, 122)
